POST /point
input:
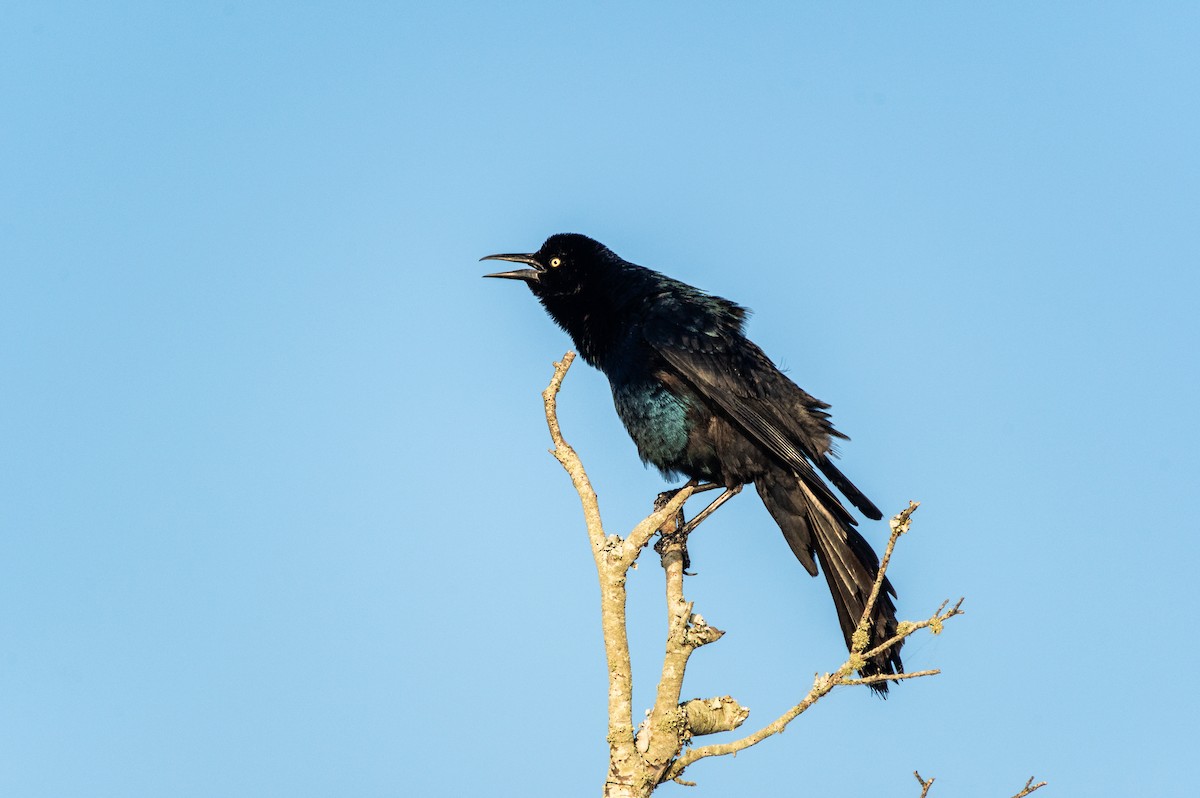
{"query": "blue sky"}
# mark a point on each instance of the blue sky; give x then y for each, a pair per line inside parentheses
(276, 512)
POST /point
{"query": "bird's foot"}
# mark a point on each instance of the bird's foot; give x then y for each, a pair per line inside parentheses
(664, 498)
(671, 535)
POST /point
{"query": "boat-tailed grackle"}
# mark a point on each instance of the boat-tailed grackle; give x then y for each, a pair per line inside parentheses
(700, 399)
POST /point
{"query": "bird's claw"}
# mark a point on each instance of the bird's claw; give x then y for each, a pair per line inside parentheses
(664, 498)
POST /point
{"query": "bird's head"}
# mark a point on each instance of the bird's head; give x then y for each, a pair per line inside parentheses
(560, 267)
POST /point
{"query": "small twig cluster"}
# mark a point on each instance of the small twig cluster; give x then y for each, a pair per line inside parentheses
(1029, 787)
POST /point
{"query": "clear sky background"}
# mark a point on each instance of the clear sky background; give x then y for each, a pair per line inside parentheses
(276, 512)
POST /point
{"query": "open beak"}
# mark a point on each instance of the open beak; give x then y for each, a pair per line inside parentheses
(528, 275)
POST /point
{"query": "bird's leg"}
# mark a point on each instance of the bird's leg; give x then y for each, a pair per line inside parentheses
(712, 508)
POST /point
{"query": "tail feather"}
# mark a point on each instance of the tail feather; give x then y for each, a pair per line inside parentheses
(848, 488)
(849, 563)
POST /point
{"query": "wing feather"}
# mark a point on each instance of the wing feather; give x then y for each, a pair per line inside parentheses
(733, 374)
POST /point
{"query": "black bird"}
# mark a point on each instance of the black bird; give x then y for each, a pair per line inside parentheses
(700, 399)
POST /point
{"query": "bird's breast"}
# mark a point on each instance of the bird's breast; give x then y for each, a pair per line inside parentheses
(657, 420)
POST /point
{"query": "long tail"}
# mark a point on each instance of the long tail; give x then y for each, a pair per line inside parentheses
(848, 561)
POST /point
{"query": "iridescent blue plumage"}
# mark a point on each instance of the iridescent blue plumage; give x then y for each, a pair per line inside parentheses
(657, 421)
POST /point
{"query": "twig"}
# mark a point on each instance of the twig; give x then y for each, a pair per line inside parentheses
(566, 455)
(900, 524)
(1030, 787)
(906, 628)
(891, 677)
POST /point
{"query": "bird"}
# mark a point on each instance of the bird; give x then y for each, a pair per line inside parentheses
(701, 400)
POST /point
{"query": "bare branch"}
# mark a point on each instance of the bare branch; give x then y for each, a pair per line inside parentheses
(900, 524)
(892, 677)
(821, 686)
(629, 772)
(713, 715)
(906, 628)
(638, 763)
(612, 590)
(668, 725)
(567, 456)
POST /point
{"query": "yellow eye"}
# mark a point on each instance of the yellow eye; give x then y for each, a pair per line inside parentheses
(555, 263)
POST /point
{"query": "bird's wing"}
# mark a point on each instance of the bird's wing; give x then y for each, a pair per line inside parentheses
(735, 375)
